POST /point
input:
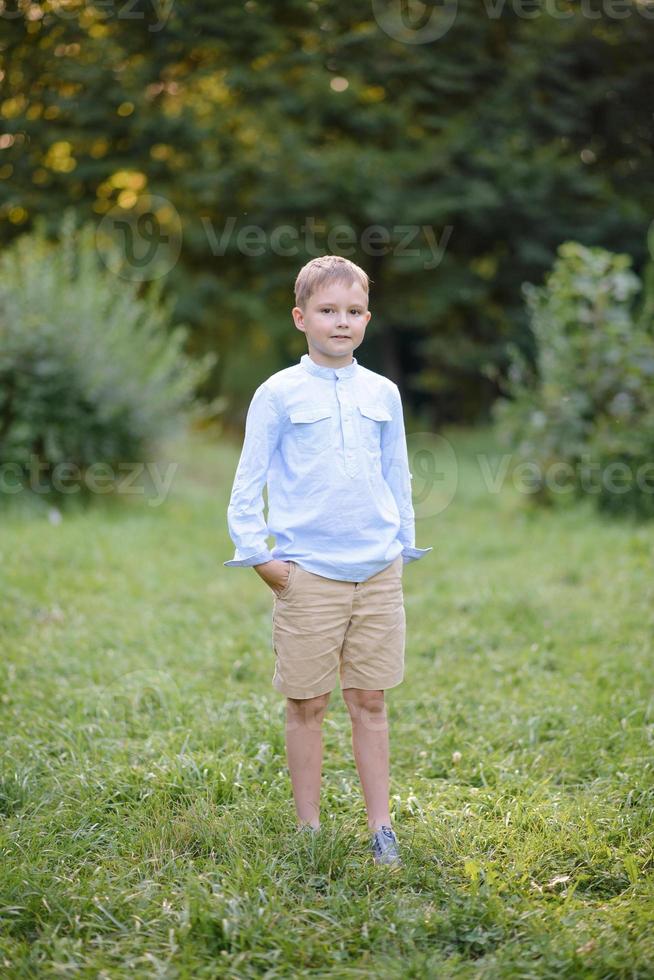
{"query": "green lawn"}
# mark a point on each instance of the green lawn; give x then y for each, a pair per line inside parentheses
(148, 824)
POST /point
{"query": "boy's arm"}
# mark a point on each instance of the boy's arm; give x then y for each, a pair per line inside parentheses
(395, 468)
(247, 527)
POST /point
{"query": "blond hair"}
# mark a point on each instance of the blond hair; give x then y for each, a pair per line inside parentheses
(327, 268)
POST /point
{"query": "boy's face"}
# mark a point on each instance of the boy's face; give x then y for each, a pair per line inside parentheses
(334, 320)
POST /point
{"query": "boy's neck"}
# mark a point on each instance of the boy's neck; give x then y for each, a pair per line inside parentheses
(333, 362)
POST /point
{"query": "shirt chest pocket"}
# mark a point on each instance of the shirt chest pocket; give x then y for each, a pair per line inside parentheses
(372, 416)
(311, 427)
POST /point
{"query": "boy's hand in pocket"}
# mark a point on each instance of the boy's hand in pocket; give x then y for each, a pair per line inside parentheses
(274, 573)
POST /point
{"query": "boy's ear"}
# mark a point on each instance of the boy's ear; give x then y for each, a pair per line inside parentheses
(298, 317)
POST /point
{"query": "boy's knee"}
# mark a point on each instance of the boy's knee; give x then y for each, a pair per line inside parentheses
(364, 704)
(307, 711)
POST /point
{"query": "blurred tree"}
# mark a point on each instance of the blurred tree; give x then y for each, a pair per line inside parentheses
(476, 154)
(87, 376)
(583, 423)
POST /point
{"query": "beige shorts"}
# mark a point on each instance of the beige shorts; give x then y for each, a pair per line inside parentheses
(322, 627)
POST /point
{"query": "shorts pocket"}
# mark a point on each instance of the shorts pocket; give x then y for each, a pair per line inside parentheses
(289, 581)
(372, 417)
(312, 427)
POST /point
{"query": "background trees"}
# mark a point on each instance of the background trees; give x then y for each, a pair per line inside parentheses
(505, 137)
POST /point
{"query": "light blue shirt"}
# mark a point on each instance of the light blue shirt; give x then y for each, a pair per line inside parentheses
(331, 446)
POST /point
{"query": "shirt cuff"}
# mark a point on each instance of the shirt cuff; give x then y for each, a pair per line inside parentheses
(258, 559)
(413, 554)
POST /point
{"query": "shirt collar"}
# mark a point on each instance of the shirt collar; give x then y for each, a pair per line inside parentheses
(328, 372)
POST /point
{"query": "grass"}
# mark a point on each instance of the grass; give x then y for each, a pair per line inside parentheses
(148, 825)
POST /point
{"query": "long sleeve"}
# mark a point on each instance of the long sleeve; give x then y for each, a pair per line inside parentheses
(395, 469)
(247, 526)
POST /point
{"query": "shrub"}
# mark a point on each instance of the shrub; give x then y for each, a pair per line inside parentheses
(89, 370)
(589, 401)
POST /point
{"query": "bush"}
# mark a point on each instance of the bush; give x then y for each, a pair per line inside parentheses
(89, 371)
(589, 402)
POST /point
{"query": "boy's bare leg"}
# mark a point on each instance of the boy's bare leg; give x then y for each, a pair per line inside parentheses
(370, 745)
(304, 719)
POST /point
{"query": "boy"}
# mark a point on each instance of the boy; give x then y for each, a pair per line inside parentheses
(327, 436)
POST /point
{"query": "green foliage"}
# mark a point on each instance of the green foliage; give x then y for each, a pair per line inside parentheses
(89, 371)
(477, 154)
(585, 414)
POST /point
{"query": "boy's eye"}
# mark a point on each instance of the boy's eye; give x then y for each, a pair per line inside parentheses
(327, 309)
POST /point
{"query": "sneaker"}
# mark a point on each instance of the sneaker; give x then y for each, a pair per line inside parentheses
(385, 848)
